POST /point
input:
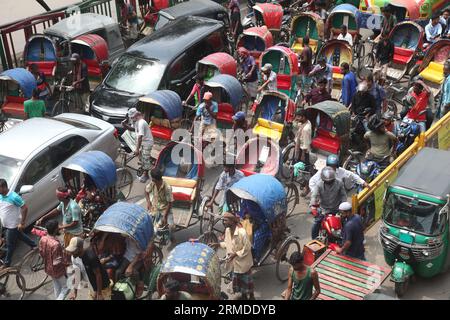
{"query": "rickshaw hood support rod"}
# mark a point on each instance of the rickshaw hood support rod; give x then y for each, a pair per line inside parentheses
(44, 5)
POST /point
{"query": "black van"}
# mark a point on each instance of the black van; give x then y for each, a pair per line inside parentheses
(165, 59)
(199, 8)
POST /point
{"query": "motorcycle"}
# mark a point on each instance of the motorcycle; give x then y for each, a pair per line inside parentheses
(407, 131)
(330, 232)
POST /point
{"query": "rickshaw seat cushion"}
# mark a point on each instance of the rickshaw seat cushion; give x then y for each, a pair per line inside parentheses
(161, 132)
(324, 141)
(268, 128)
(337, 69)
(402, 55)
(283, 82)
(46, 67)
(14, 106)
(434, 72)
(225, 113)
(182, 189)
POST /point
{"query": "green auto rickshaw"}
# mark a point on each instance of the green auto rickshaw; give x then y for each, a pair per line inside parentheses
(415, 229)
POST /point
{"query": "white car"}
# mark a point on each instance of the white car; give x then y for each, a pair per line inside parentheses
(32, 153)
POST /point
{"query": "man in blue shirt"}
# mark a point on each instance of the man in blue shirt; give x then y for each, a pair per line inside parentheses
(13, 214)
(377, 92)
(207, 112)
(353, 233)
(444, 102)
(349, 84)
(433, 29)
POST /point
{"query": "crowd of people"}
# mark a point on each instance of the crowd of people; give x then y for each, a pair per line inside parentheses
(101, 266)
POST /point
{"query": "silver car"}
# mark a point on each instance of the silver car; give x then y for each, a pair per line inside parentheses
(32, 153)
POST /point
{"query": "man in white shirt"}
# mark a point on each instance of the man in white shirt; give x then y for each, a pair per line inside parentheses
(342, 174)
(269, 78)
(433, 30)
(345, 35)
(144, 141)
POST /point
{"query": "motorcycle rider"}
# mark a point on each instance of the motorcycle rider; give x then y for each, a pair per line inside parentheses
(353, 233)
(341, 174)
(379, 140)
(329, 193)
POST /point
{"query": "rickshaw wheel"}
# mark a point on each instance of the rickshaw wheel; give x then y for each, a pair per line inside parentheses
(7, 277)
(289, 246)
(32, 269)
(157, 256)
(287, 156)
(60, 107)
(292, 198)
(208, 238)
(204, 216)
(366, 63)
(124, 181)
(401, 288)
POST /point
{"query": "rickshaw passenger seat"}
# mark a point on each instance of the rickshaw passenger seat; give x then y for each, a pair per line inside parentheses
(14, 106)
(402, 55)
(434, 72)
(283, 81)
(225, 113)
(182, 189)
(325, 141)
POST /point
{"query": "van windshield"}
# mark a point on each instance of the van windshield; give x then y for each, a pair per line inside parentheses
(131, 74)
(412, 214)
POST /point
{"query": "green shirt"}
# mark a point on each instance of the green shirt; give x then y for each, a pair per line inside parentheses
(72, 213)
(34, 108)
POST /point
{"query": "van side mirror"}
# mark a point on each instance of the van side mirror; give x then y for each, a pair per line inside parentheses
(26, 189)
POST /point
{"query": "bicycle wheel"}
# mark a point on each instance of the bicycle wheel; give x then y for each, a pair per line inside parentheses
(292, 198)
(12, 285)
(32, 269)
(60, 107)
(124, 182)
(289, 246)
(157, 256)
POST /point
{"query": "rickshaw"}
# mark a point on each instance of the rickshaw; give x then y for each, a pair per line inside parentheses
(16, 86)
(261, 200)
(119, 221)
(45, 49)
(336, 52)
(93, 51)
(431, 69)
(256, 40)
(285, 65)
(343, 14)
(163, 110)
(228, 93)
(407, 37)
(196, 266)
(182, 166)
(271, 15)
(306, 24)
(414, 232)
(215, 64)
(91, 177)
(330, 122)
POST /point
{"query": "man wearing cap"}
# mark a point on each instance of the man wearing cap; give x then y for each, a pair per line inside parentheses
(80, 80)
(248, 66)
(97, 275)
(323, 70)
(144, 141)
(433, 30)
(207, 112)
(353, 233)
(239, 254)
(269, 78)
(72, 225)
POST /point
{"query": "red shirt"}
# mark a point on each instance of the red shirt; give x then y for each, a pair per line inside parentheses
(420, 106)
(51, 252)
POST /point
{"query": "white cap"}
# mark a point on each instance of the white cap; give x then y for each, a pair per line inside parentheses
(266, 67)
(132, 112)
(345, 206)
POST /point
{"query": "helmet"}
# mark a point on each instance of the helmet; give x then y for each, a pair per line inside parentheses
(333, 160)
(328, 174)
(388, 115)
(375, 122)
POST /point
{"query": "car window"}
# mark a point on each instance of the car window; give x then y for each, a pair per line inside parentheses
(37, 168)
(65, 148)
(182, 66)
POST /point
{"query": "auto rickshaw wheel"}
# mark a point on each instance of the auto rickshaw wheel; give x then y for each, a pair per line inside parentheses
(289, 246)
(401, 288)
